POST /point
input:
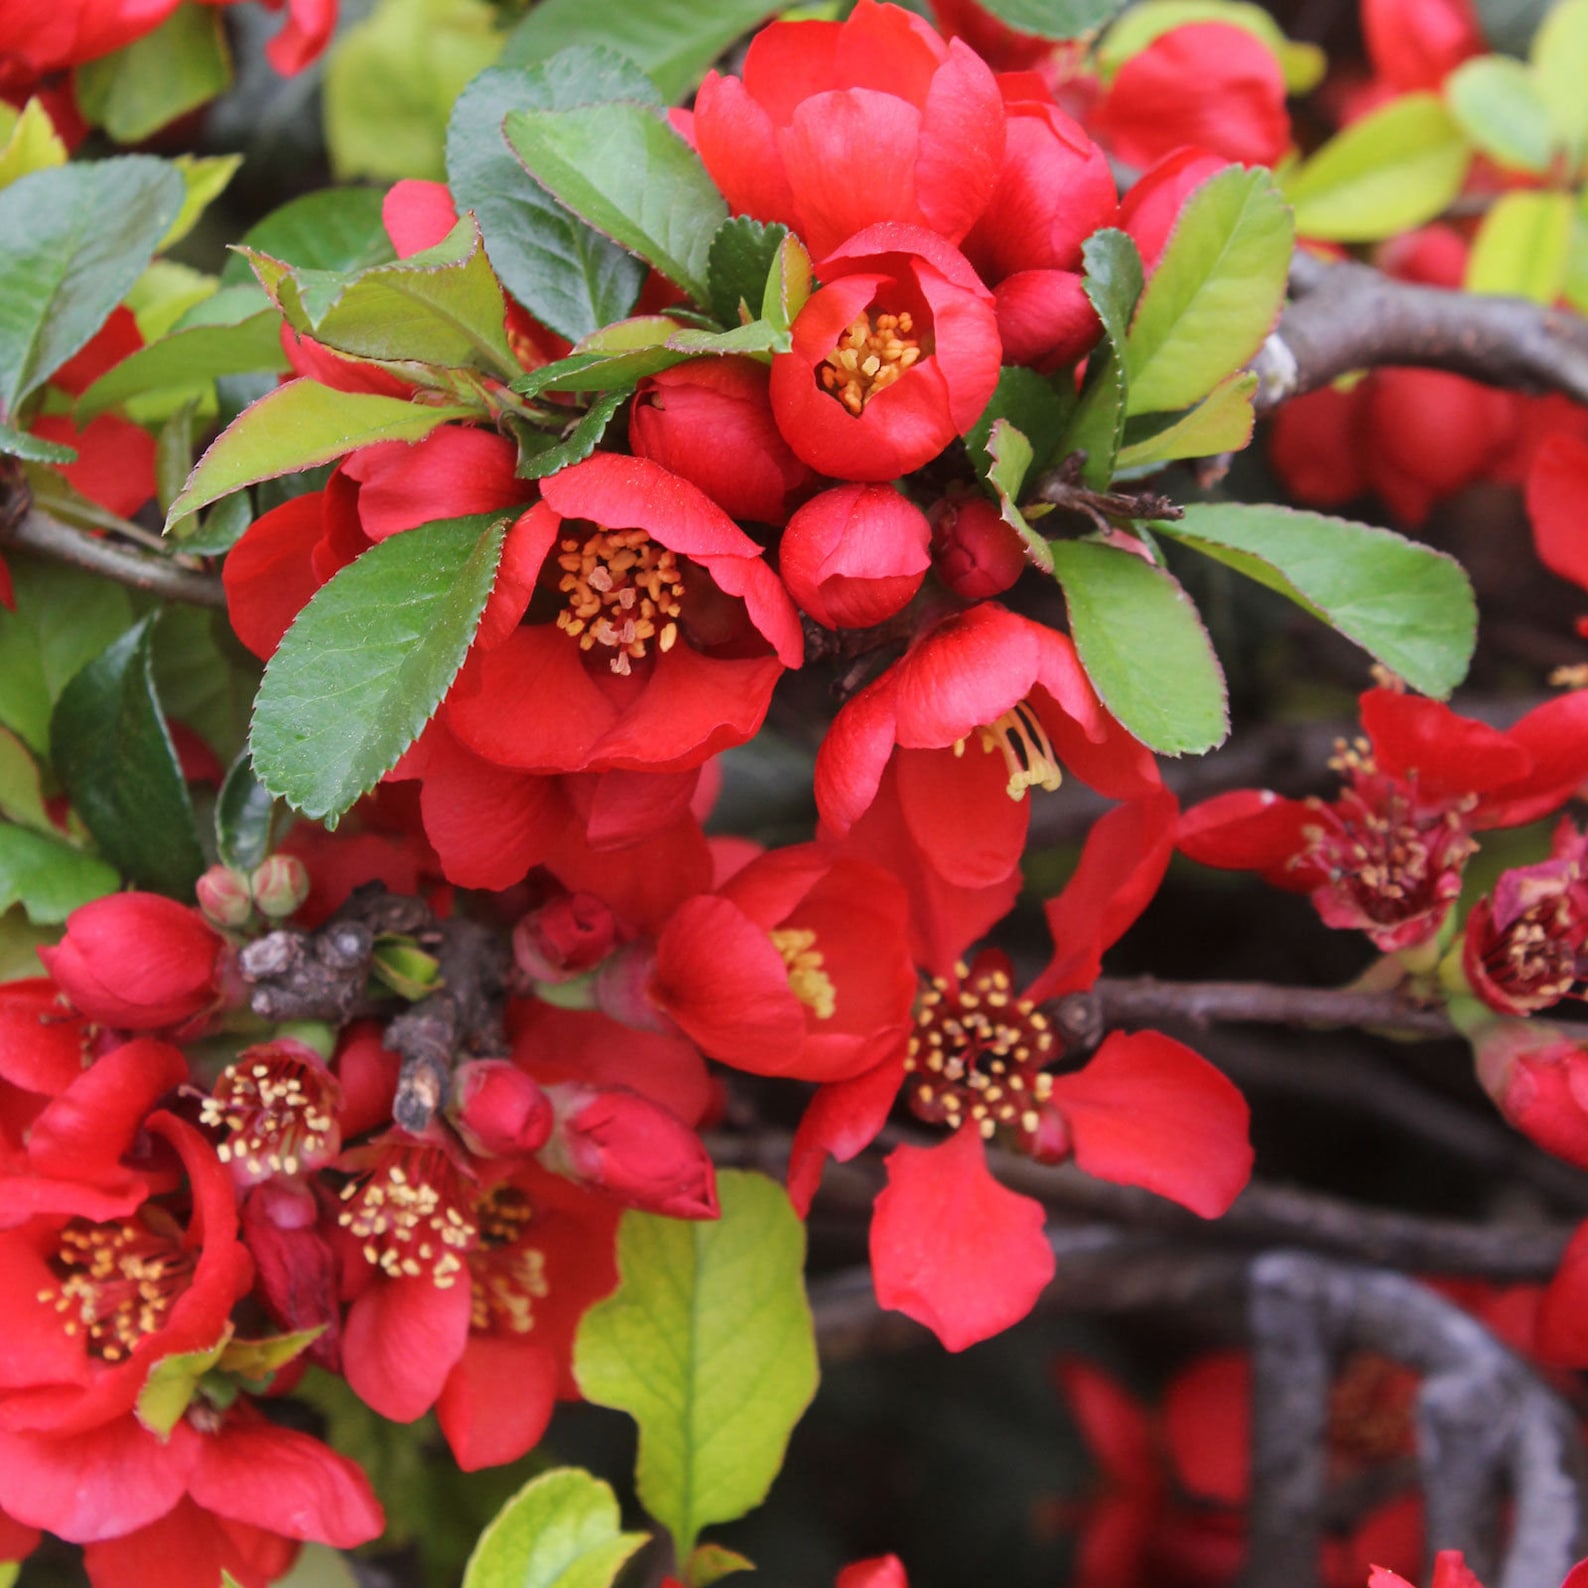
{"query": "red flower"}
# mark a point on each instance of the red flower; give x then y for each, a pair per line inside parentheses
(1537, 1074)
(671, 632)
(894, 356)
(836, 126)
(1153, 205)
(137, 961)
(974, 552)
(1450, 1571)
(278, 1106)
(854, 555)
(1416, 44)
(46, 37)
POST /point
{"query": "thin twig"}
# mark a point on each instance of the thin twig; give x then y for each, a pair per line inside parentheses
(140, 570)
(1143, 998)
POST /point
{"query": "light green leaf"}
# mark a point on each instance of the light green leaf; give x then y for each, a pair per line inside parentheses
(742, 256)
(1559, 54)
(632, 177)
(1113, 284)
(113, 753)
(1010, 457)
(1302, 64)
(561, 1530)
(337, 228)
(172, 1383)
(366, 662)
(182, 64)
(1523, 247)
(441, 307)
(570, 277)
(21, 792)
(711, 1563)
(788, 284)
(1216, 292)
(204, 180)
(708, 1343)
(1497, 103)
(32, 144)
(673, 40)
(23, 444)
(1221, 422)
(20, 941)
(297, 426)
(48, 878)
(73, 240)
(1143, 647)
(1397, 167)
(1053, 19)
(1407, 606)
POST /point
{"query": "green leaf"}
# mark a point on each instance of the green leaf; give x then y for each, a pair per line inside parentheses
(1407, 606)
(21, 791)
(742, 256)
(710, 1563)
(1216, 292)
(73, 240)
(182, 64)
(1143, 647)
(1113, 284)
(1523, 247)
(297, 426)
(1221, 422)
(257, 1360)
(1031, 404)
(788, 284)
(1496, 102)
(32, 144)
(1395, 168)
(632, 177)
(561, 1530)
(34, 449)
(1559, 54)
(1302, 64)
(203, 181)
(708, 1343)
(1010, 455)
(578, 444)
(568, 276)
(673, 40)
(204, 677)
(113, 753)
(48, 878)
(366, 662)
(63, 618)
(441, 307)
(223, 526)
(337, 228)
(244, 815)
(1053, 19)
(172, 1383)
(644, 347)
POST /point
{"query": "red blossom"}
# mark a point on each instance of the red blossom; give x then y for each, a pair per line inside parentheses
(974, 552)
(855, 555)
(1537, 1074)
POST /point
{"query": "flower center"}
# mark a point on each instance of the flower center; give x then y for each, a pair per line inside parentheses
(810, 983)
(623, 591)
(117, 1282)
(978, 1053)
(870, 356)
(1027, 750)
(1533, 959)
(410, 1213)
(506, 1277)
(279, 1112)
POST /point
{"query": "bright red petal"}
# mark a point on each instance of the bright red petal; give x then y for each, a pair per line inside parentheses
(484, 1427)
(402, 1338)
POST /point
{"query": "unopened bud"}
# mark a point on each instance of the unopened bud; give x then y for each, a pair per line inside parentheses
(975, 552)
(565, 938)
(224, 897)
(499, 1111)
(280, 885)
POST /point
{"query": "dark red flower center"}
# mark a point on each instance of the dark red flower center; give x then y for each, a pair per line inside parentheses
(507, 1275)
(1533, 960)
(116, 1283)
(870, 356)
(279, 1112)
(1026, 748)
(624, 592)
(978, 1053)
(413, 1216)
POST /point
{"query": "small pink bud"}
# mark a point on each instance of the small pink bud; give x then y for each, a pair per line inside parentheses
(280, 886)
(499, 1111)
(565, 938)
(634, 1150)
(224, 897)
(976, 553)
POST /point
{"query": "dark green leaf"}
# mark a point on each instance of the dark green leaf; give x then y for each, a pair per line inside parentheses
(1031, 404)
(674, 40)
(338, 228)
(567, 276)
(204, 678)
(182, 64)
(73, 239)
(223, 526)
(114, 756)
(743, 252)
(623, 169)
(1409, 607)
(35, 449)
(1053, 19)
(1113, 284)
(579, 443)
(1143, 646)
(364, 666)
(48, 878)
(244, 815)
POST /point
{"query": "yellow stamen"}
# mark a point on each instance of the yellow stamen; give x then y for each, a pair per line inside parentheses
(870, 356)
(809, 982)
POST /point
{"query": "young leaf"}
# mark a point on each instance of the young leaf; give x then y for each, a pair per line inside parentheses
(568, 276)
(32, 144)
(73, 240)
(673, 40)
(1010, 457)
(244, 815)
(1497, 103)
(48, 878)
(1053, 19)
(204, 179)
(708, 1343)
(788, 284)
(33, 449)
(1143, 647)
(579, 443)
(113, 753)
(1523, 247)
(631, 176)
(1032, 405)
(1113, 285)
(1216, 292)
(561, 1530)
(710, 1563)
(1221, 422)
(1407, 606)
(182, 64)
(297, 426)
(743, 252)
(1559, 55)
(1396, 168)
(365, 664)
(337, 228)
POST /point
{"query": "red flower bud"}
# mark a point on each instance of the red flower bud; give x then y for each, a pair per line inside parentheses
(280, 886)
(854, 555)
(136, 960)
(634, 1150)
(499, 1111)
(1538, 1078)
(565, 938)
(976, 553)
(223, 896)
